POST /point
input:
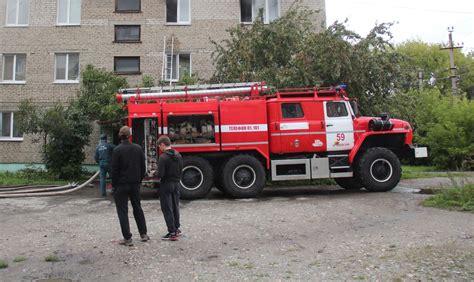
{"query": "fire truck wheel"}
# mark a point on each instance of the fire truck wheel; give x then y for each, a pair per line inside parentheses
(197, 178)
(379, 170)
(349, 183)
(243, 176)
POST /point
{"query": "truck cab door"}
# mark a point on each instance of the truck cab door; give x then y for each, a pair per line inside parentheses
(339, 126)
(294, 127)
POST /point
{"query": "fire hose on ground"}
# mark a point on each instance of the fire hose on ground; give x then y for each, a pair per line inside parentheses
(30, 191)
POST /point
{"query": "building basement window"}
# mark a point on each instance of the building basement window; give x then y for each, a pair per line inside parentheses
(178, 11)
(17, 12)
(127, 33)
(127, 6)
(249, 10)
(127, 65)
(177, 66)
(14, 68)
(69, 12)
(8, 128)
(66, 68)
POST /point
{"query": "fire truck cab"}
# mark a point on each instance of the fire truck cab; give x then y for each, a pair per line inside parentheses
(234, 137)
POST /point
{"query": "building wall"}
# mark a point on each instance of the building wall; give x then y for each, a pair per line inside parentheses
(93, 40)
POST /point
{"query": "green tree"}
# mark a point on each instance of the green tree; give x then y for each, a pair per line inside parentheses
(289, 53)
(429, 58)
(66, 129)
(97, 95)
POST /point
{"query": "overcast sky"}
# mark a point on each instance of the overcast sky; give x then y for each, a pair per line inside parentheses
(416, 19)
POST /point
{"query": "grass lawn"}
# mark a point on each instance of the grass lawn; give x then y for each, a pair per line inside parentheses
(410, 172)
(32, 177)
(458, 198)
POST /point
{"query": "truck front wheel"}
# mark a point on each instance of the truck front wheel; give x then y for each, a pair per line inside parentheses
(379, 170)
(243, 176)
(349, 183)
(197, 177)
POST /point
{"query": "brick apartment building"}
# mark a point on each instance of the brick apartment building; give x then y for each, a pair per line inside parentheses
(44, 44)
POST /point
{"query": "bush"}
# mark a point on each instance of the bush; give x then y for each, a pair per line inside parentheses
(444, 123)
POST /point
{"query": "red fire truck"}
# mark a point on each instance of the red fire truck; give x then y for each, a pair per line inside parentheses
(237, 136)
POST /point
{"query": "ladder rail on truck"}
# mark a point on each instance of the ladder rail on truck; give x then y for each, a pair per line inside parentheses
(236, 136)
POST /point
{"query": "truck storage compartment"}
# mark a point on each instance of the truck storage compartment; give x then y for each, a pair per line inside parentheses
(145, 134)
(290, 169)
(191, 129)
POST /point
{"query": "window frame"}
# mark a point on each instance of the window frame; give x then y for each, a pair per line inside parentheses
(298, 104)
(128, 41)
(177, 64)
(337, 103)
(128, 11)
(13, 81)
(178, 22)
(266, 13)
(16, 24)
(12, 120)
(68, 23)
(66, 80)
(128, 72)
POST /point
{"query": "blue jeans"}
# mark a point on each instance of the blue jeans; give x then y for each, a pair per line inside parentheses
(104, 169)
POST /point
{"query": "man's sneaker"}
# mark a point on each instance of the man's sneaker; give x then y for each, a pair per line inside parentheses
(170, 237)
(126, 242)
(178, 232)
(145, 237)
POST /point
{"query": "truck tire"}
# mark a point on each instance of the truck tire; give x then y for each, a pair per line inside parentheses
(379, 169)
(197, 178)
(349, 183)
(243, 176)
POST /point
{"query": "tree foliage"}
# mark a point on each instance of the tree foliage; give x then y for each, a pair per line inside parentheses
(445, 123)
(289, 53)
(97, 95)
(429, 58)
(66, 129)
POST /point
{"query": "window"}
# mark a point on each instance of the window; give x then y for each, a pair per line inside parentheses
(292, 111)
(67, 68)
(17, 12)
(127, 33)
(127, 65)
(336, 109)
(69, 12)
(178, 66)
(8, 127)
(127, 6)
(14, 68)
(249, 10)
(178, 11)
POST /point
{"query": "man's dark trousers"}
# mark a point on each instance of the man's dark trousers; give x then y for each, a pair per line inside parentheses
(121, 195)
(169, 201)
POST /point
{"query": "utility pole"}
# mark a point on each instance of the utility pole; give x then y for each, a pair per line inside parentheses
(452, 66)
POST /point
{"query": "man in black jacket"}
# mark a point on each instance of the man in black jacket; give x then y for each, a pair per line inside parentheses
(170, 167)
(128, 170)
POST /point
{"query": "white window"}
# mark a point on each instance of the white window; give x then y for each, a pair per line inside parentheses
(178, 11)
(8, 128)
(66, 68)
(17, 12)
(249, 10)
(177, 66)
(69, 12)
(14, 68)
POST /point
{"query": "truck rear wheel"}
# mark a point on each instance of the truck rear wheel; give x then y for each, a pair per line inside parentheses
(349, 183)
(379, 169)
(196, 180)
(243, 176)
